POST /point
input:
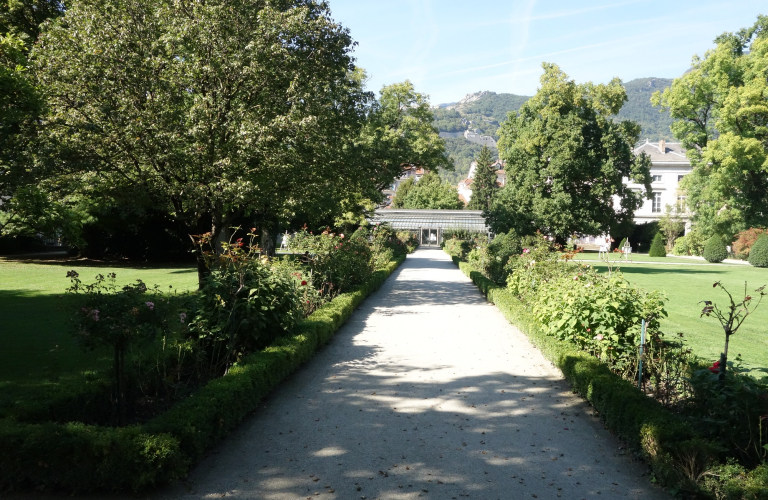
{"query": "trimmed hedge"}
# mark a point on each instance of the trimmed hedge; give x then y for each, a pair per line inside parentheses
(667, 441)
(78, 457)
(657, 247)
(715, 250)
(758, 256)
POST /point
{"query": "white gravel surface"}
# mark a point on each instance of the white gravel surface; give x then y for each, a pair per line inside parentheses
(427, 392)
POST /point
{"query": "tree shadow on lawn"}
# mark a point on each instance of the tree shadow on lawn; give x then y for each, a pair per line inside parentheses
(643, 269)
(68, 261)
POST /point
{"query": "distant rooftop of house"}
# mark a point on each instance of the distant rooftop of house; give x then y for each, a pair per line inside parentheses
(662, 151)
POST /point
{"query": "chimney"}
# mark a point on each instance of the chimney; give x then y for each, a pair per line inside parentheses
(663, 146)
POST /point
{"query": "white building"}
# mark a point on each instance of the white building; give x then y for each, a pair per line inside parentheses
(668, 167)
(465, 186)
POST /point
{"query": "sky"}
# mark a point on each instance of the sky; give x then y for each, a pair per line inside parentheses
(450, 48)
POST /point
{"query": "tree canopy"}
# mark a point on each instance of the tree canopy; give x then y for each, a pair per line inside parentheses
(566, 160)
(484, 185)
(720, 107)
(431, 193)
(209, 110)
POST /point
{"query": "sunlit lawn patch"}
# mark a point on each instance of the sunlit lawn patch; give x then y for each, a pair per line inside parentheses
(688, 284)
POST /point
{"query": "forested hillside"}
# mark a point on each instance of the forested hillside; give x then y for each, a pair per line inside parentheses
(485, 111)
(639, 109)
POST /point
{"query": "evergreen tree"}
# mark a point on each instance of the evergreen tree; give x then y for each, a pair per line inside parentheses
(484, 184)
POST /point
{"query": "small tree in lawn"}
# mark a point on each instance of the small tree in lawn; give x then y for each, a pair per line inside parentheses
(671, 225)
(657, 247)
(731, 319)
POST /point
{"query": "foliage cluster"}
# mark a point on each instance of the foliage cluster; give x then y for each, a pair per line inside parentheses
(719, 108)
(567, 160)
(715, 250)
(497, 258)
(681, 458)
(745, 240)
(758, 256)
(430, 192)
(485, 185)
(336, 263)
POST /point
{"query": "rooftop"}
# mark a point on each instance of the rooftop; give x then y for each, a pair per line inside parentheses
(431, 219)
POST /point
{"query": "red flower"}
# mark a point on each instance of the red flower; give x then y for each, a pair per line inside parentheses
(303, 283)
(715, 368)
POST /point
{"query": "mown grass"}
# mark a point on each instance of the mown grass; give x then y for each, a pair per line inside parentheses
(37, 347)
(687, 285)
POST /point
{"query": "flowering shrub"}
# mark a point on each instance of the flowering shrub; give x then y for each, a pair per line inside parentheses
(116, 318)
(732, 410)
(336, 263)
(243, 305)
(602, 315)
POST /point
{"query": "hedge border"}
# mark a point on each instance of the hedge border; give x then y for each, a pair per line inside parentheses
(79, 458)
(664, 439)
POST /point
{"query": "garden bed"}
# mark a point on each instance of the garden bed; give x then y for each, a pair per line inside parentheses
(678, 456)
(76, 457)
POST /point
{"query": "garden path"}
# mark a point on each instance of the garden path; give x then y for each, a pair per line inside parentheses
(427, 392)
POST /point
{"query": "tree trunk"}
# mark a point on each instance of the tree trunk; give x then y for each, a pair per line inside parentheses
(120, 384)
(268, 237)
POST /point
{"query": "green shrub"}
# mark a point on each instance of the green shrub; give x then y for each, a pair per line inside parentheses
(758, 256)
(337, 263)
(681, 246)
(493, 259)
(657, 247)
(715, 250)
(458, 248)
(696, 241)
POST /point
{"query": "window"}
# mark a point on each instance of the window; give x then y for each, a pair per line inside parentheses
(656, 178)
(680, 177)
(680, 203)
(656, 203)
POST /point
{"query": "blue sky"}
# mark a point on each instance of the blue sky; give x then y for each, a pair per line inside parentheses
(449, 48)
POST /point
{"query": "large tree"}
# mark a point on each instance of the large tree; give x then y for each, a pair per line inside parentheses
(567, 160)
(400, 133)
(484, 184)
(206, 110)
(720, 107)
(430, 192)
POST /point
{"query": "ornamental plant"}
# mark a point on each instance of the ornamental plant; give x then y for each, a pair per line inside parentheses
(715, 250)
(731, 318)
(336, 263)
(657, 247)
(116, 318)
(758, 255)
(244, 304)
(745, 240)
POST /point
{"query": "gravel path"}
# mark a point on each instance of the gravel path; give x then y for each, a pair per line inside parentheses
(426, 392)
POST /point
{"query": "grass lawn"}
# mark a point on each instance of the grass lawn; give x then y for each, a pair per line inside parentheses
(686, 285)
(642, 257)
(36, 345)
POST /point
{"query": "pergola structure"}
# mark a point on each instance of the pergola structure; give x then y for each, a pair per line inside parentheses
(431, 224)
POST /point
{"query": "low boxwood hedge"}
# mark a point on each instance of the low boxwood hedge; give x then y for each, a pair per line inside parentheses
(79, 457)
(667, 441)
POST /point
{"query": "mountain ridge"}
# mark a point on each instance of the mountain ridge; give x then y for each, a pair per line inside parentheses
(483, 112)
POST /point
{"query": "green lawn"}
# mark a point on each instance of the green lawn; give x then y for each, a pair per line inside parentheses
(642, 257)
(36, 345)
(686, 285)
